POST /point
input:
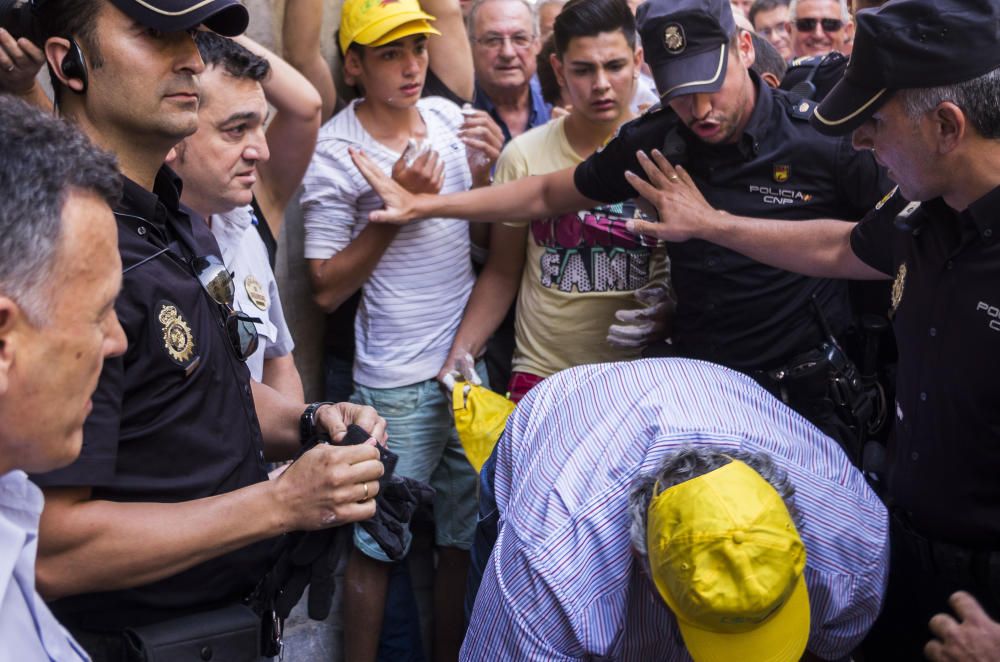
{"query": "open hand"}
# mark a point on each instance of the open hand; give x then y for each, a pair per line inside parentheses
(974, 637)
(424, 175)
(684, 213)
(483, 141)
(399, 203)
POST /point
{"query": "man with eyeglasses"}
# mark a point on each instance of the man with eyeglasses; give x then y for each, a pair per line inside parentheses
(820, 26)
(167, 519)
(770, 21)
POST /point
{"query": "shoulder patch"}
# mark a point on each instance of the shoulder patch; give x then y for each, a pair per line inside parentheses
(888, 196)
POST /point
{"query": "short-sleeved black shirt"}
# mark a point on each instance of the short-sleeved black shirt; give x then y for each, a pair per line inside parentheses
(731, 309)
(944, 460)
(173, 418)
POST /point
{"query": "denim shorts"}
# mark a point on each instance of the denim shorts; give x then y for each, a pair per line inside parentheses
(422, 432)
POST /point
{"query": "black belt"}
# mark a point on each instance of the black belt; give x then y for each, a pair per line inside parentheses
(975, 567)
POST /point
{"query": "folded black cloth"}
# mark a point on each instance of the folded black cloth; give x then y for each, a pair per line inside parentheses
(309, 558)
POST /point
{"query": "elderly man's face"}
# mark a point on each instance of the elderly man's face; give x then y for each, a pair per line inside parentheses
(51, 366)
(818, 27)
(504, 45)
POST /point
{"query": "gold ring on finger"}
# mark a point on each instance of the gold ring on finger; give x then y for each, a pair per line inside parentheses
(365, 485)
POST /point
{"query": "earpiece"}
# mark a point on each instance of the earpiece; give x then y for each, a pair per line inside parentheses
(74, 66)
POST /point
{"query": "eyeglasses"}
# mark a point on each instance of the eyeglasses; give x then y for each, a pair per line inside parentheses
(779, 30)
(809, 24)
(495, 42)
(218, 283)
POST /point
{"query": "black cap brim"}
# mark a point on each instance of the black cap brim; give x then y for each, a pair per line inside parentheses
(847, 107)
(699, 72)
(226, 17)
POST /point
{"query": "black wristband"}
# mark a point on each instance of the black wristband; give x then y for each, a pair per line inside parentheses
(307, 422)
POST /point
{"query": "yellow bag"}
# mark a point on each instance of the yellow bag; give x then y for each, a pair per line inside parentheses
(480, 417)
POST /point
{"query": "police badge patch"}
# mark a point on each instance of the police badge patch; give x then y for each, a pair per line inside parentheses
(177, 337)
(255, 291)
(897, 290)
(781, 173)
(673, 39)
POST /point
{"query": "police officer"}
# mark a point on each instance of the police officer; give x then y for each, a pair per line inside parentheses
(920, 92)
(751, 151)
(168, 511)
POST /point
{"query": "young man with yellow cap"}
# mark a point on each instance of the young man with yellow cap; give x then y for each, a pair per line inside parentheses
(415, 282)
(696, 517)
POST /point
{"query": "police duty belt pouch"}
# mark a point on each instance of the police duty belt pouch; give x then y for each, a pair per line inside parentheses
(229, 634)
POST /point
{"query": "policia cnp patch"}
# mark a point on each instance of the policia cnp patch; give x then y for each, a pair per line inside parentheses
(178, 341)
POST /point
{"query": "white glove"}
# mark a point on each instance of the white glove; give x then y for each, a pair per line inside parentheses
(463, 369)
(641, 326)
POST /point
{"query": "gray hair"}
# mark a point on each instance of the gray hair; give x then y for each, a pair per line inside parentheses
(42, 160)
(470, 20)
(691, 462)
(845, 12)
(978, 98)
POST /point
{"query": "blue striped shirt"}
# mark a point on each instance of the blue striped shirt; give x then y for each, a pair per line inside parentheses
(562, 582)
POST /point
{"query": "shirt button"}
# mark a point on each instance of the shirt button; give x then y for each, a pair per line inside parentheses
(933, 332)
(914, 456)
(987, 232)
(923, 396)
(141, 230)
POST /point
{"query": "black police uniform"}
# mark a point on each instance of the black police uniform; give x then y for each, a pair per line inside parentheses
(173, 418)
(944, 458)
(733, 310)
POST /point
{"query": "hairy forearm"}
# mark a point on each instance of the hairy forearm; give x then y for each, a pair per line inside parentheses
(818, 248)
(525, 199)
(100, 545)
(337, 278)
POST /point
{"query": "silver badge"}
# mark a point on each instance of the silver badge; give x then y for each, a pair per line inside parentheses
(673, 38)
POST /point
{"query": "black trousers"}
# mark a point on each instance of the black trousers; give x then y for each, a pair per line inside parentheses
(922, 575)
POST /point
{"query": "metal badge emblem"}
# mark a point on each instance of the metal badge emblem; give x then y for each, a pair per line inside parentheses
(781, 173)
(673, 39)
(256, 292)
(177, 337)
(897, 290)
(888, 196)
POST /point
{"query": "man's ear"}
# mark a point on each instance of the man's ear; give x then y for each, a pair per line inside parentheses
(57, 49)
(950, 126)
(770, 79)
(557, 69)
(10, 318)
(176, 154)
(747, 54)
(352, 63)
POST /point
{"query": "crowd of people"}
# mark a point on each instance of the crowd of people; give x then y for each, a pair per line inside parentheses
(673, 232)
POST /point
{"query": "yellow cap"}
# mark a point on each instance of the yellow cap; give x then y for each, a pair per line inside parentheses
(728, 560)
(379, 22)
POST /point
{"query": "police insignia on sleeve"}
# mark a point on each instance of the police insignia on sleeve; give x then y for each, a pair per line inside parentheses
(897, 289)
(781, 173)
(177, 337)
(888, 196)
(673, 38)
(256, 292)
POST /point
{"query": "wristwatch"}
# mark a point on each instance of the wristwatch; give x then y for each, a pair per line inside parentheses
(307, 422)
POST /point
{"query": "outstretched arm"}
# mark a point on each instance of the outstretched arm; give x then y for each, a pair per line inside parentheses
(819, 248)
(291, 134)
(537, 196)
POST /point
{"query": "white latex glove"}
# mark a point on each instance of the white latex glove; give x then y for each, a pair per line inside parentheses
(462, 368)
(641, 326)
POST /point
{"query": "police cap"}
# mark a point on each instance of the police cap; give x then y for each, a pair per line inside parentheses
(226, 17)
(686, 43)
(910, 44)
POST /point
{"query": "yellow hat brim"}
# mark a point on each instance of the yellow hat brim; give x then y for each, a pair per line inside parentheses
(419, 26)
(782, 638)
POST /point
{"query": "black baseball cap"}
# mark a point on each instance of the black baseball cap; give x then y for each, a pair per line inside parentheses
(909, 44)
(226, 17)
(686, 43)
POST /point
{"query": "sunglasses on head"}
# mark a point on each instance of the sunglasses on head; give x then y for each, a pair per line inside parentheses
(809, 24)
(218, 283)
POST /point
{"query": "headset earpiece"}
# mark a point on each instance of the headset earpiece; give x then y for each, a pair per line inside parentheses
(74, 66)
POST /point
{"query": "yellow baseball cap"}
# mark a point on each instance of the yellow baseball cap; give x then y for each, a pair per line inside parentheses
(728, 560)
(379, 22)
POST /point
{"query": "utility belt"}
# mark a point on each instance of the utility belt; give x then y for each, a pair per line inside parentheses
(239, 632)
(826, 375)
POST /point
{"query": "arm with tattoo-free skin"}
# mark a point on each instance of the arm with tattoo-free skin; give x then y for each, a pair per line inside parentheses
(972, 636)
(820, 248)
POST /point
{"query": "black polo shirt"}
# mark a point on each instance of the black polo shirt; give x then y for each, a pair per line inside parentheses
(731, 309)
(173, 418)
(944, 460)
